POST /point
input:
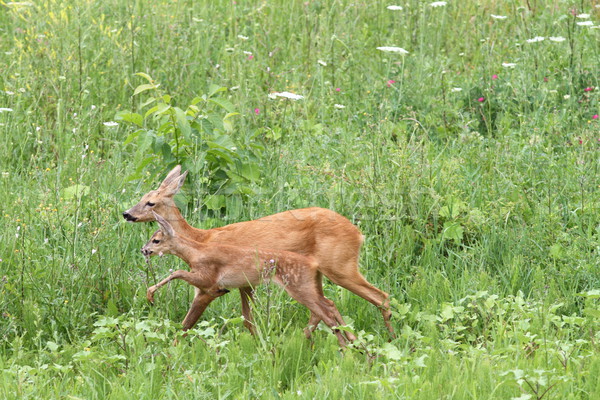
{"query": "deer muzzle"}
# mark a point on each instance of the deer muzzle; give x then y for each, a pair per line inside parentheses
(129, 217)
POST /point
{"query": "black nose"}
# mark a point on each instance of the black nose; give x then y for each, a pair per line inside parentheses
(145, 252)
(129, 217)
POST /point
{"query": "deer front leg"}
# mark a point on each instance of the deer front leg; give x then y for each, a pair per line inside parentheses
(190, 277)
(199, 304)
(246, 296)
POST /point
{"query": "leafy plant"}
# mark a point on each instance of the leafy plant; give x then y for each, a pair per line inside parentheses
(199, 136)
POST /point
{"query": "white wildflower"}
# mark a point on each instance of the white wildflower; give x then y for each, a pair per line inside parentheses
(243, 37)
(394, 8)
(536, 39)
(557, 39)
(456, 89)
(287, 95)
(438, 4)
(3, 109)
(248, 53)
(5, 174)
(339, 106)
(8, 92)
(321, 62)
(392, 49)
(93, 107)
(567, 96)
(585, 23)
(111, 124)
(499, 16)
(509, 65)
(94, 251)
(583, 16)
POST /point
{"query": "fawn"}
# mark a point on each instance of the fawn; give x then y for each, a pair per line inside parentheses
(323, 234)
(215, 268)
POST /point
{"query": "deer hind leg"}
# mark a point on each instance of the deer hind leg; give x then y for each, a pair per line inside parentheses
(358, 285)
(319, 307)
(330, 305)
(246, 297)
(199, 304)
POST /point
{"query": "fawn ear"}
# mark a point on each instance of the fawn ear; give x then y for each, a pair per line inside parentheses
(175, 172)
(165, 226)
(172, 187)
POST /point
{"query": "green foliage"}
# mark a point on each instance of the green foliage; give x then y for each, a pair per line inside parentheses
(200, 138)
(475, 184)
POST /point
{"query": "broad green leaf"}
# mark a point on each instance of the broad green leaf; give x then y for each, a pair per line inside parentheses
(225, 104)
(590, 294)
(215, 202)
(143, 88)
(453, 231)
(390, 351)
(182, 123)
(129, 116)
(145, 76)
(250, 171)
(214, 89)
(151, 111)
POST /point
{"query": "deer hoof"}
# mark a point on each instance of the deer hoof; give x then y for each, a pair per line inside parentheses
(150, 295)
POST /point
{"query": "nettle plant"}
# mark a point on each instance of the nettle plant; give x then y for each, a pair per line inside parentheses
(199, 136)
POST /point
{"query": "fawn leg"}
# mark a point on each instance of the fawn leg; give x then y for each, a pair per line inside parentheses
(199, 304)
(309, 296)
(246, 296)
(330, 305)
(190, 277)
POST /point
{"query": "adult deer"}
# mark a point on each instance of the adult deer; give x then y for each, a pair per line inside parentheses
(321, 233)
(215, 268)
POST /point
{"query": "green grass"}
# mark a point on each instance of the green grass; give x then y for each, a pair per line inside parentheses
(482, 218)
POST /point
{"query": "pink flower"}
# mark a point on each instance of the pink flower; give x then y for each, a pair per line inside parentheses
(257, 111)
(545, 79)
(250, 57)
(481, 99)
(580, 141)
(337, 89)
(390, 82)
(494, 77)
(595, 116)
(588, 89)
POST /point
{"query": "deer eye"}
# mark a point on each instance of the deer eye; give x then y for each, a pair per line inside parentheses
(150, 204)
(156, 241)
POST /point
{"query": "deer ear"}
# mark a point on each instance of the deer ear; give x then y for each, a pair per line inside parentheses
(172, 187)
(175, 172)
(165, 226)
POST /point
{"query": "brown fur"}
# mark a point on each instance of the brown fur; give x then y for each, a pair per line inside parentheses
(321, 233)
(217, 267)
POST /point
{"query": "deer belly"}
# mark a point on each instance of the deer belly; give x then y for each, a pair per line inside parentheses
(240, 280)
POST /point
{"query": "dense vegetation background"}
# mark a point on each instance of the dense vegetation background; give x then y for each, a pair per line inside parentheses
(468, 155)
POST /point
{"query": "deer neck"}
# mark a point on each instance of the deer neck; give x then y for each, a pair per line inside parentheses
(188, 250)
(181, 226)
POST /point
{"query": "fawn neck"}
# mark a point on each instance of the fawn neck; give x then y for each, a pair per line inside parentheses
(186, 249)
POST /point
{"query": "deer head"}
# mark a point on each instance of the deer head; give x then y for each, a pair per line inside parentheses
(161, 240)
(157, 201)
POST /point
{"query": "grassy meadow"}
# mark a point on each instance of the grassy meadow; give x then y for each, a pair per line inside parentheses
(467, 150)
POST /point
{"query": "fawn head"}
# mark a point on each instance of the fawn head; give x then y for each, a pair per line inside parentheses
(161, 240)
(159, 200)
